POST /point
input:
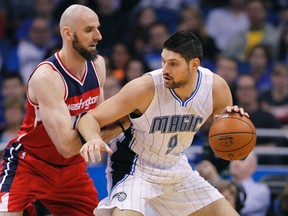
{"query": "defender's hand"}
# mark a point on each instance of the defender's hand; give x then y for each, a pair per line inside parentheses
(92, 149)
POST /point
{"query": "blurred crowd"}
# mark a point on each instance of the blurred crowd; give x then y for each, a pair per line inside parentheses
(244, 41)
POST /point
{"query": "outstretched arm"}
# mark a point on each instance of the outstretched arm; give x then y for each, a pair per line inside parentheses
(111, 110)
(110, 131)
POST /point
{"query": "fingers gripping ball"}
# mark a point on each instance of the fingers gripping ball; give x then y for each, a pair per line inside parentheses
(232, 136)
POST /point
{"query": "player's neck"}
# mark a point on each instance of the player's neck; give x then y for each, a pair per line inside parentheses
(186, 90)
(74, 64)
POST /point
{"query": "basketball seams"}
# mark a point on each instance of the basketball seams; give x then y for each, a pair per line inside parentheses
(246, 121)
(231, 150)
(232, 137)
(226, 133)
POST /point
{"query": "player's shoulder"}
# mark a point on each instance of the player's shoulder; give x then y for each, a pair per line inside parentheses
(143, 85)
(145, 81)
(156, 72)
(45, 70)
(218, 80)
(100, 67)
(45, 73)
(219, 84)
(99, 62)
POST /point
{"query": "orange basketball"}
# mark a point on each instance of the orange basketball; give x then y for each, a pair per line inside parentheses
(232, 136)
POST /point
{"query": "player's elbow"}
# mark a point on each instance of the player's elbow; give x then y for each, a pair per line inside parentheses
(65, 152)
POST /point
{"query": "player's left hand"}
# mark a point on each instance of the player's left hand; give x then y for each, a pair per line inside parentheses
(92, 150)
(230, 109)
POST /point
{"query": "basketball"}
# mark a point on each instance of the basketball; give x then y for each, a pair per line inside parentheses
(232, 136)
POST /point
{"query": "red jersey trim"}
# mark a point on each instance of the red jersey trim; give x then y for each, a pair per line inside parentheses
(55, 69)
(81, 82)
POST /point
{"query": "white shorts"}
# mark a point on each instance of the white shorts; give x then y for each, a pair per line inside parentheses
(135, 192)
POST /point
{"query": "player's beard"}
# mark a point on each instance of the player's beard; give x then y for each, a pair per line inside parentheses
(173, 85)
(88, 55)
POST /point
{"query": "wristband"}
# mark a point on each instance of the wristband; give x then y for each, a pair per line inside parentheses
(120, 125)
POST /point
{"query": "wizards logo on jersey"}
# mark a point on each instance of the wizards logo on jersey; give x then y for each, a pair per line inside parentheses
(82, 103)
(176, 123)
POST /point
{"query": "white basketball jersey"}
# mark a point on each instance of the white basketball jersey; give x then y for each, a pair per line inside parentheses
(148, 164)
(154, 146)
(169, 124)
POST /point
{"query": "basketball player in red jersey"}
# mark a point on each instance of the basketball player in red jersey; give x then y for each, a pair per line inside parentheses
(43, 162)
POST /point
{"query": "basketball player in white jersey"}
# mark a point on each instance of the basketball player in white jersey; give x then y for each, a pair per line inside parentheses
(166, 107)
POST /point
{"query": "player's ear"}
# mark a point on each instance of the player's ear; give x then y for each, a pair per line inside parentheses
(67, 33)
(195, 63)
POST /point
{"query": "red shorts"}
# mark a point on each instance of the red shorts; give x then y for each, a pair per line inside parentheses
(63, 191)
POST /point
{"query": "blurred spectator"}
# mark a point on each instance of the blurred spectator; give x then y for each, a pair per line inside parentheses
(276, 99)
(168, 4)
(281, 203)
(227, 68)
(208, 171)
(14, 114)
(111, 87)
(166, 10)
(52, 50)
(247, 98)
(18, 11)
(137, 35)
(257, 194)
(260, 31)
(281, 10)
(282, 47)
(135, 68)
(224, 23)
(42, 8)
(120, 57)
(28, 53)
(191, 18)
(157, 34)
(208, 4)
(114, 24)
(259, 65)
(233, 192)
(4, 43)
(4, 49)
(12, 87)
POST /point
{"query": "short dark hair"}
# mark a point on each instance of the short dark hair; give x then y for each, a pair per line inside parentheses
(186, 43)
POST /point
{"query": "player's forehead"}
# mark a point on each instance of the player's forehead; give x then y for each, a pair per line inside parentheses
(169, 55)
(89, 19)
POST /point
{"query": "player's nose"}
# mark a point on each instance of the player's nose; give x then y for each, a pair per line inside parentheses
(165, 68)
(97, 36)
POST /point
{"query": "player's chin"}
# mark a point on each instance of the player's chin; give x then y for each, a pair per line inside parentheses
(168, 83)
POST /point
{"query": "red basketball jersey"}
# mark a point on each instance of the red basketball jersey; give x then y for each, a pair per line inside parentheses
(80, 97)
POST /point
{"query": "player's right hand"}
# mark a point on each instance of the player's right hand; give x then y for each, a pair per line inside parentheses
(92, 150)
(230, 109)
